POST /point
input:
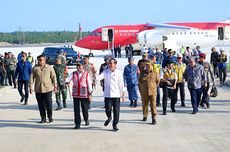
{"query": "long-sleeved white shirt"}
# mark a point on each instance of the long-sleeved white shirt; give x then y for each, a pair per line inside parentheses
(113, 83)
(69, 79)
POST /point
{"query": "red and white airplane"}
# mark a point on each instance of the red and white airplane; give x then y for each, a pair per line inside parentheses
(169, 35)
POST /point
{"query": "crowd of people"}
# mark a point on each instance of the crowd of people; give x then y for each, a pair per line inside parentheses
(156, 70)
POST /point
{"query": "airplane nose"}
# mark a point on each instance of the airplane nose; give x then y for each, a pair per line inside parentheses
(79, 44)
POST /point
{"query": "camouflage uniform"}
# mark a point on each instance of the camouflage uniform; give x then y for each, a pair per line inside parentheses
(60, 70)
(10, 69)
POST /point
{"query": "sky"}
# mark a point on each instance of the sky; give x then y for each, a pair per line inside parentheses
(59, 15)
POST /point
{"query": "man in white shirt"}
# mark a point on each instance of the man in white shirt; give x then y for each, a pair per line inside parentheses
(113, 91)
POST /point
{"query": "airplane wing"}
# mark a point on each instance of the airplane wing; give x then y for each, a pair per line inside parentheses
(168, 26)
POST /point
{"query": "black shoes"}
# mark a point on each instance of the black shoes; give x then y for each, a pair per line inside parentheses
(26, 102)
(154, 122)
(173, 110)
(182, 104)
(65, 105)
(115, 128)
(135, 104)
(51, 120)
(42, 121)
(107, 121)
(22, 99)
(131, 103)
(58, 108)
(194, 112)
(164, 113)
(87, 123)
(77, 127)
(158, 104)
(144, 118)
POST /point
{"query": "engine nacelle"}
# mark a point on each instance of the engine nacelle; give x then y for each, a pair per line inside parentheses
(151, 38)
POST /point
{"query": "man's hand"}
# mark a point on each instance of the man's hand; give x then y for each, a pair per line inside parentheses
(123, 97)
(31, 91)
(169, 83)
(90, 98)
(55, 89)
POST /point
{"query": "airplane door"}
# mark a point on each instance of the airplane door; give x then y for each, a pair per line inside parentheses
(104, 32)
(227, 32)
(221, 33)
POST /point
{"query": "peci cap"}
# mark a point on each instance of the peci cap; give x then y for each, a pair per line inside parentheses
(170, 51)
(86, 56)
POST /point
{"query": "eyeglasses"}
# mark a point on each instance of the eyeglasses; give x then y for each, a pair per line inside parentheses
(39, 59)
(23, 56)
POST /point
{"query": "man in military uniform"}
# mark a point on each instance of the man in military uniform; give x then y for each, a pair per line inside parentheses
(10, 68)
(148, 82)
(130, 74)
(89, 67)
(61, 74)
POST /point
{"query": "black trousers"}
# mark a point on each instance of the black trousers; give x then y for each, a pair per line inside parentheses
(182, 91)
(1, 78)
(24, 83)
(11, 77)
(215, 69)
(204, 95)
(169, 93)
(45, 104)
(84, 107)
(158, 95)
(222, 74)
(115, 103)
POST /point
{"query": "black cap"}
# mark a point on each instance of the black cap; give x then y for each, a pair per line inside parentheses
(86, 56)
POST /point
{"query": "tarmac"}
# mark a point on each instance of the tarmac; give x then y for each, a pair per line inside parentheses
(207, 131)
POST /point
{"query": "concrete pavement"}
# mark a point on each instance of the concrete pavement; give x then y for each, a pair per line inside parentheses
(181, 131)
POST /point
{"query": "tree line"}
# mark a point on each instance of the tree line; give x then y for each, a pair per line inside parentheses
(41, 37)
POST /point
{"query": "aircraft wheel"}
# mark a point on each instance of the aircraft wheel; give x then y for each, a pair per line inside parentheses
(91, 55)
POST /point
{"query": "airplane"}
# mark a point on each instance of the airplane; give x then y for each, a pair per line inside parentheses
(168, 35)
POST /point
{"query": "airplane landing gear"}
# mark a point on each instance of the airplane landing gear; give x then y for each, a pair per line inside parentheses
(91, 55)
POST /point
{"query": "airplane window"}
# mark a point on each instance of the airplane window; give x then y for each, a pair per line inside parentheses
(190, 33)
(206, 32)
(125, 34)
(185, 33)
(129, 34)
(198, 32)
(95, 34)
(172, 33)
(202, 32)
(194, 32)
(121, 34)
(133, 34)
(176, 33)
(181, 33)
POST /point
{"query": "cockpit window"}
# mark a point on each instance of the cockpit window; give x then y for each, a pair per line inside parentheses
(95, 34)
